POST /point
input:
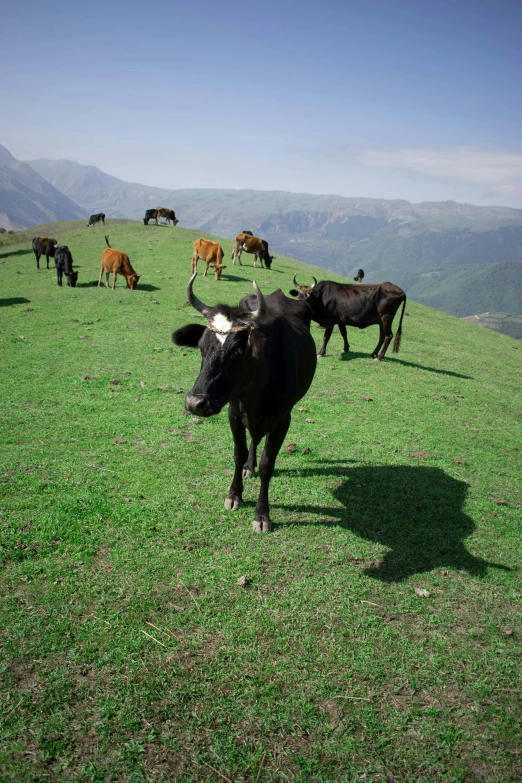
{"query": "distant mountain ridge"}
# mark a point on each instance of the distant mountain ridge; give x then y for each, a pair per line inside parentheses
(27, 198)
(459, 258)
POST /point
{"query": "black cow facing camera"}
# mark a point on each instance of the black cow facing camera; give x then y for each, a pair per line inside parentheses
(259, 357)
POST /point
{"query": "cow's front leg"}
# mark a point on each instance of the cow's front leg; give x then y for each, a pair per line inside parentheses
(327, 334)
(346, 346)
(234, 498)
(262, 522)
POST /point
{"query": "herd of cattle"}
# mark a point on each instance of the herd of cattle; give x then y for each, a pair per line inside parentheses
(259, 357)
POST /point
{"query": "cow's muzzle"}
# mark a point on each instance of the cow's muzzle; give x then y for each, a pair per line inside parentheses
(201, 405)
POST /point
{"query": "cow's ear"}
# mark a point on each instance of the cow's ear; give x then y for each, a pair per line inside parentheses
(294, 292)
(188, 335)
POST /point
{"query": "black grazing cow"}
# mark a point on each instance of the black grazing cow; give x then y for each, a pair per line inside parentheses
(64, 266)
(248, 232)
(260, 358)
(355, 305)
(96, 219)
(360, 276)
(44, 246)
(150, 214)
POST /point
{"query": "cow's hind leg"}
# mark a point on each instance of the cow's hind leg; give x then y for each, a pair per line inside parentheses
(346, 345)
(47, 257)
(234, 498)
(249, 468)
(327, 334)
(375, 354)
(262, 522)
(387, 335)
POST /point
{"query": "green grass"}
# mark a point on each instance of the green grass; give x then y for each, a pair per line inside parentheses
(130, 652)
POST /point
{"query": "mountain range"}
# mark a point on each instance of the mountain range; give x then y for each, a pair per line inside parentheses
(27, 198)
(459, 258)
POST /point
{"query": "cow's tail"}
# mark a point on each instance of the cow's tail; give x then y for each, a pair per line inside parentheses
(397, 341)
(107, 240)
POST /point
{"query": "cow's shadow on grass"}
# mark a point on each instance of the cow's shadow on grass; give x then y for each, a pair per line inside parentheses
(14, 300)
(235, 278)
(351, 355)
(416, 512)
(8, 253)
(147, 287)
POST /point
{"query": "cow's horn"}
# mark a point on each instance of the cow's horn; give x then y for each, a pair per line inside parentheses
(260, 313)
(315, 281)
(196, 303)
(295, 280)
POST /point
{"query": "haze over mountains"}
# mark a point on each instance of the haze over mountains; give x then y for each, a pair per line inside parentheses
(459, 258)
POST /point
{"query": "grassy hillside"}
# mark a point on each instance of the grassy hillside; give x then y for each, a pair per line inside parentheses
(378, 634)
(410, 244)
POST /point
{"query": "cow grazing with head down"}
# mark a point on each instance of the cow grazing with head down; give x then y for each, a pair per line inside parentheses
(250, 244)
(44, 246)
(211, 253)
(168, 214)
(99, 216)
(260, 358)
(355, 305)
(360, 276)
(119, 264)
(150, 214)
(64, 266)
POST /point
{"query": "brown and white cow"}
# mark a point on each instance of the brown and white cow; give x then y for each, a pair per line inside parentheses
(254, 245)
(211, 253)
(119, 264)
(168, 214)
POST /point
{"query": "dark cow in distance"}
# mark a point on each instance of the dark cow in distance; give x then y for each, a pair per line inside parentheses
(99, 216)
(345, 304)
(250, 244)
(260, 358)
(211, 253)
(64, 266)
(360, 276)
(168, 214)
(150, 214)
(44, 246)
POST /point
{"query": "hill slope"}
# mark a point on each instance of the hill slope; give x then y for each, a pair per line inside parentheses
(377, 634)
(26, 198)
(411, 244)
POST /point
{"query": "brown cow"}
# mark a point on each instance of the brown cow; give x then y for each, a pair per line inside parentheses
(209, 252)
(168, 214)
(44, 246)
(118, 263)
(248, 243)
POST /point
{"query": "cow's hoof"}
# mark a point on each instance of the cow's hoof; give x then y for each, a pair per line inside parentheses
(247, 473)
(233, 503)
(262, 525)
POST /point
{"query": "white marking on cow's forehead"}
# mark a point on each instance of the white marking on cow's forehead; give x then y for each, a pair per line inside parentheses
(223, 324)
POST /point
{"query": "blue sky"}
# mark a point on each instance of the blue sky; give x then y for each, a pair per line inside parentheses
(377, 98)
